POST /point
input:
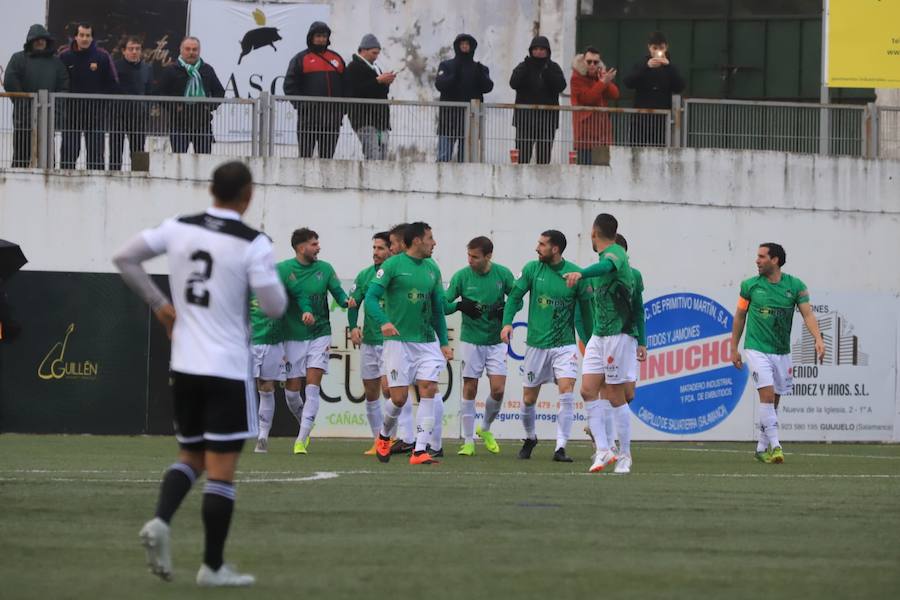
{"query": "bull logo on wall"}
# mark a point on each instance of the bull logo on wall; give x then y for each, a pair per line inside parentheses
(259, 37)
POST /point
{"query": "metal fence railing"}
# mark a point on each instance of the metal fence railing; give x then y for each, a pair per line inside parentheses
(80, 131)
(780, 126)
(566, 134)
(887, 128)
(18, 129)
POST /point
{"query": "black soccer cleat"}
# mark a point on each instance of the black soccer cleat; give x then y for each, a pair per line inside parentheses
(527, 447)
(561, 456)
(435, 453)
(401, 447)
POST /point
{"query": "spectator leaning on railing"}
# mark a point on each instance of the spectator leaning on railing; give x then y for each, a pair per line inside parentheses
(91, 71)
(591, 85)
(129, 118)
(29, 70)
(317, 71)
(365, 79)
(536, 80)
(653, 80)
(190, 77)
(459, 79)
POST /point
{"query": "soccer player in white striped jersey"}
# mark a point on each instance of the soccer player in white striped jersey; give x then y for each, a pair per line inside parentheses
(215, 260)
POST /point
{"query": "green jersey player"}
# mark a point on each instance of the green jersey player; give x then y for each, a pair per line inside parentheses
(766, 305)
(415, 334)
(551, 353)
(482, 288)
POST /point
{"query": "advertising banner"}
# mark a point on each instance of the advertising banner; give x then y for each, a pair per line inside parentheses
(862, 49)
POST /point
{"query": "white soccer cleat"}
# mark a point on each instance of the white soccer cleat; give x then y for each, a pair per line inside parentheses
(155, 539)
(624, 464)
(226, 576)
(262, 446)
(602, 460)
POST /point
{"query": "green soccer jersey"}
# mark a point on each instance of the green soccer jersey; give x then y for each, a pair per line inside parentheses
(308, 287)
(371, 330)
(489, 291)
(612, 302)
(413, 299)
(637, 297)
(551, 305)
(770, 312)
(263, 330)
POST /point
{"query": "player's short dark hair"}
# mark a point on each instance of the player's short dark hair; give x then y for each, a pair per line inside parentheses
(384, 236)
(592, 50)
(656, 38)
(557, 238)
(607, 225)
(304, 234)
(398, 230)
(229, 180)
(413, 231)
(481, 243)
(132, 39)
(82, 25)
(620, 240)
(776, 251)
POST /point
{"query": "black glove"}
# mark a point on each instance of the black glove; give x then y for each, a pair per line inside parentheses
(469, 308)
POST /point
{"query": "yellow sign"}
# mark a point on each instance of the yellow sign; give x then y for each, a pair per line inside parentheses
(54, 365)
(863, 43)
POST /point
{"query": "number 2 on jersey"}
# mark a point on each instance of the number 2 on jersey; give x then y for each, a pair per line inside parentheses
(195, 290)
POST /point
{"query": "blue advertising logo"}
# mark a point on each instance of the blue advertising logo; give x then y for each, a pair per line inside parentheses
(687, 384)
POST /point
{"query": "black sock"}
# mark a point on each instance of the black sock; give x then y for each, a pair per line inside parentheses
(175, 485)
(218, 504)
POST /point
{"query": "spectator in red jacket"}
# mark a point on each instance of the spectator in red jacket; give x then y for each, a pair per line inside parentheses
(317, 71)
(591, 85)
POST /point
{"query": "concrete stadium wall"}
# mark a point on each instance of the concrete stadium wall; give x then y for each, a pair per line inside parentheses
(693, 219)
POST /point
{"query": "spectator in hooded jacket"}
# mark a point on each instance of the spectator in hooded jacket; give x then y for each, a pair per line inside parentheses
(130, 118)
(91, 71)
(190, 77)
(365, 79)
(653, 80)
(29, 70)
(317, 71)
(460, 79)
(591, 85)
(537, 80)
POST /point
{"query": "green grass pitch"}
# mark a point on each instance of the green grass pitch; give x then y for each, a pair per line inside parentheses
(691, 521)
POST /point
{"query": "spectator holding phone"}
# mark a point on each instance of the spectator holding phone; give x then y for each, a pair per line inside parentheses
(654, 80)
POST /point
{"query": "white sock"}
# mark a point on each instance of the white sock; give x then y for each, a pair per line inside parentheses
(424, 423)
(762, 442)
(609, 421)
(310, 410)
(437, 441)
(768, 418)
(373, 414)
(266, 412)
(389, 421)
(405, 430)
(623, 426)
(596, 423)
(564, 418)
(295, 404)
(467, 416)
(528, 417)
(491, 410)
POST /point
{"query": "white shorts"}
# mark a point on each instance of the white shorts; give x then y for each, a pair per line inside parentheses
(477, 358)
(268, 361)
(543, 365)
(774, 370)
(371, 361)
(613, 356)
(408, 362)
(309, 354)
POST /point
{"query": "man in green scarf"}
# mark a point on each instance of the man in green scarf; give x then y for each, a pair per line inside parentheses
(190, 77)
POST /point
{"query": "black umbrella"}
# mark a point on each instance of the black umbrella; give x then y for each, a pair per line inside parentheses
(11, 259)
